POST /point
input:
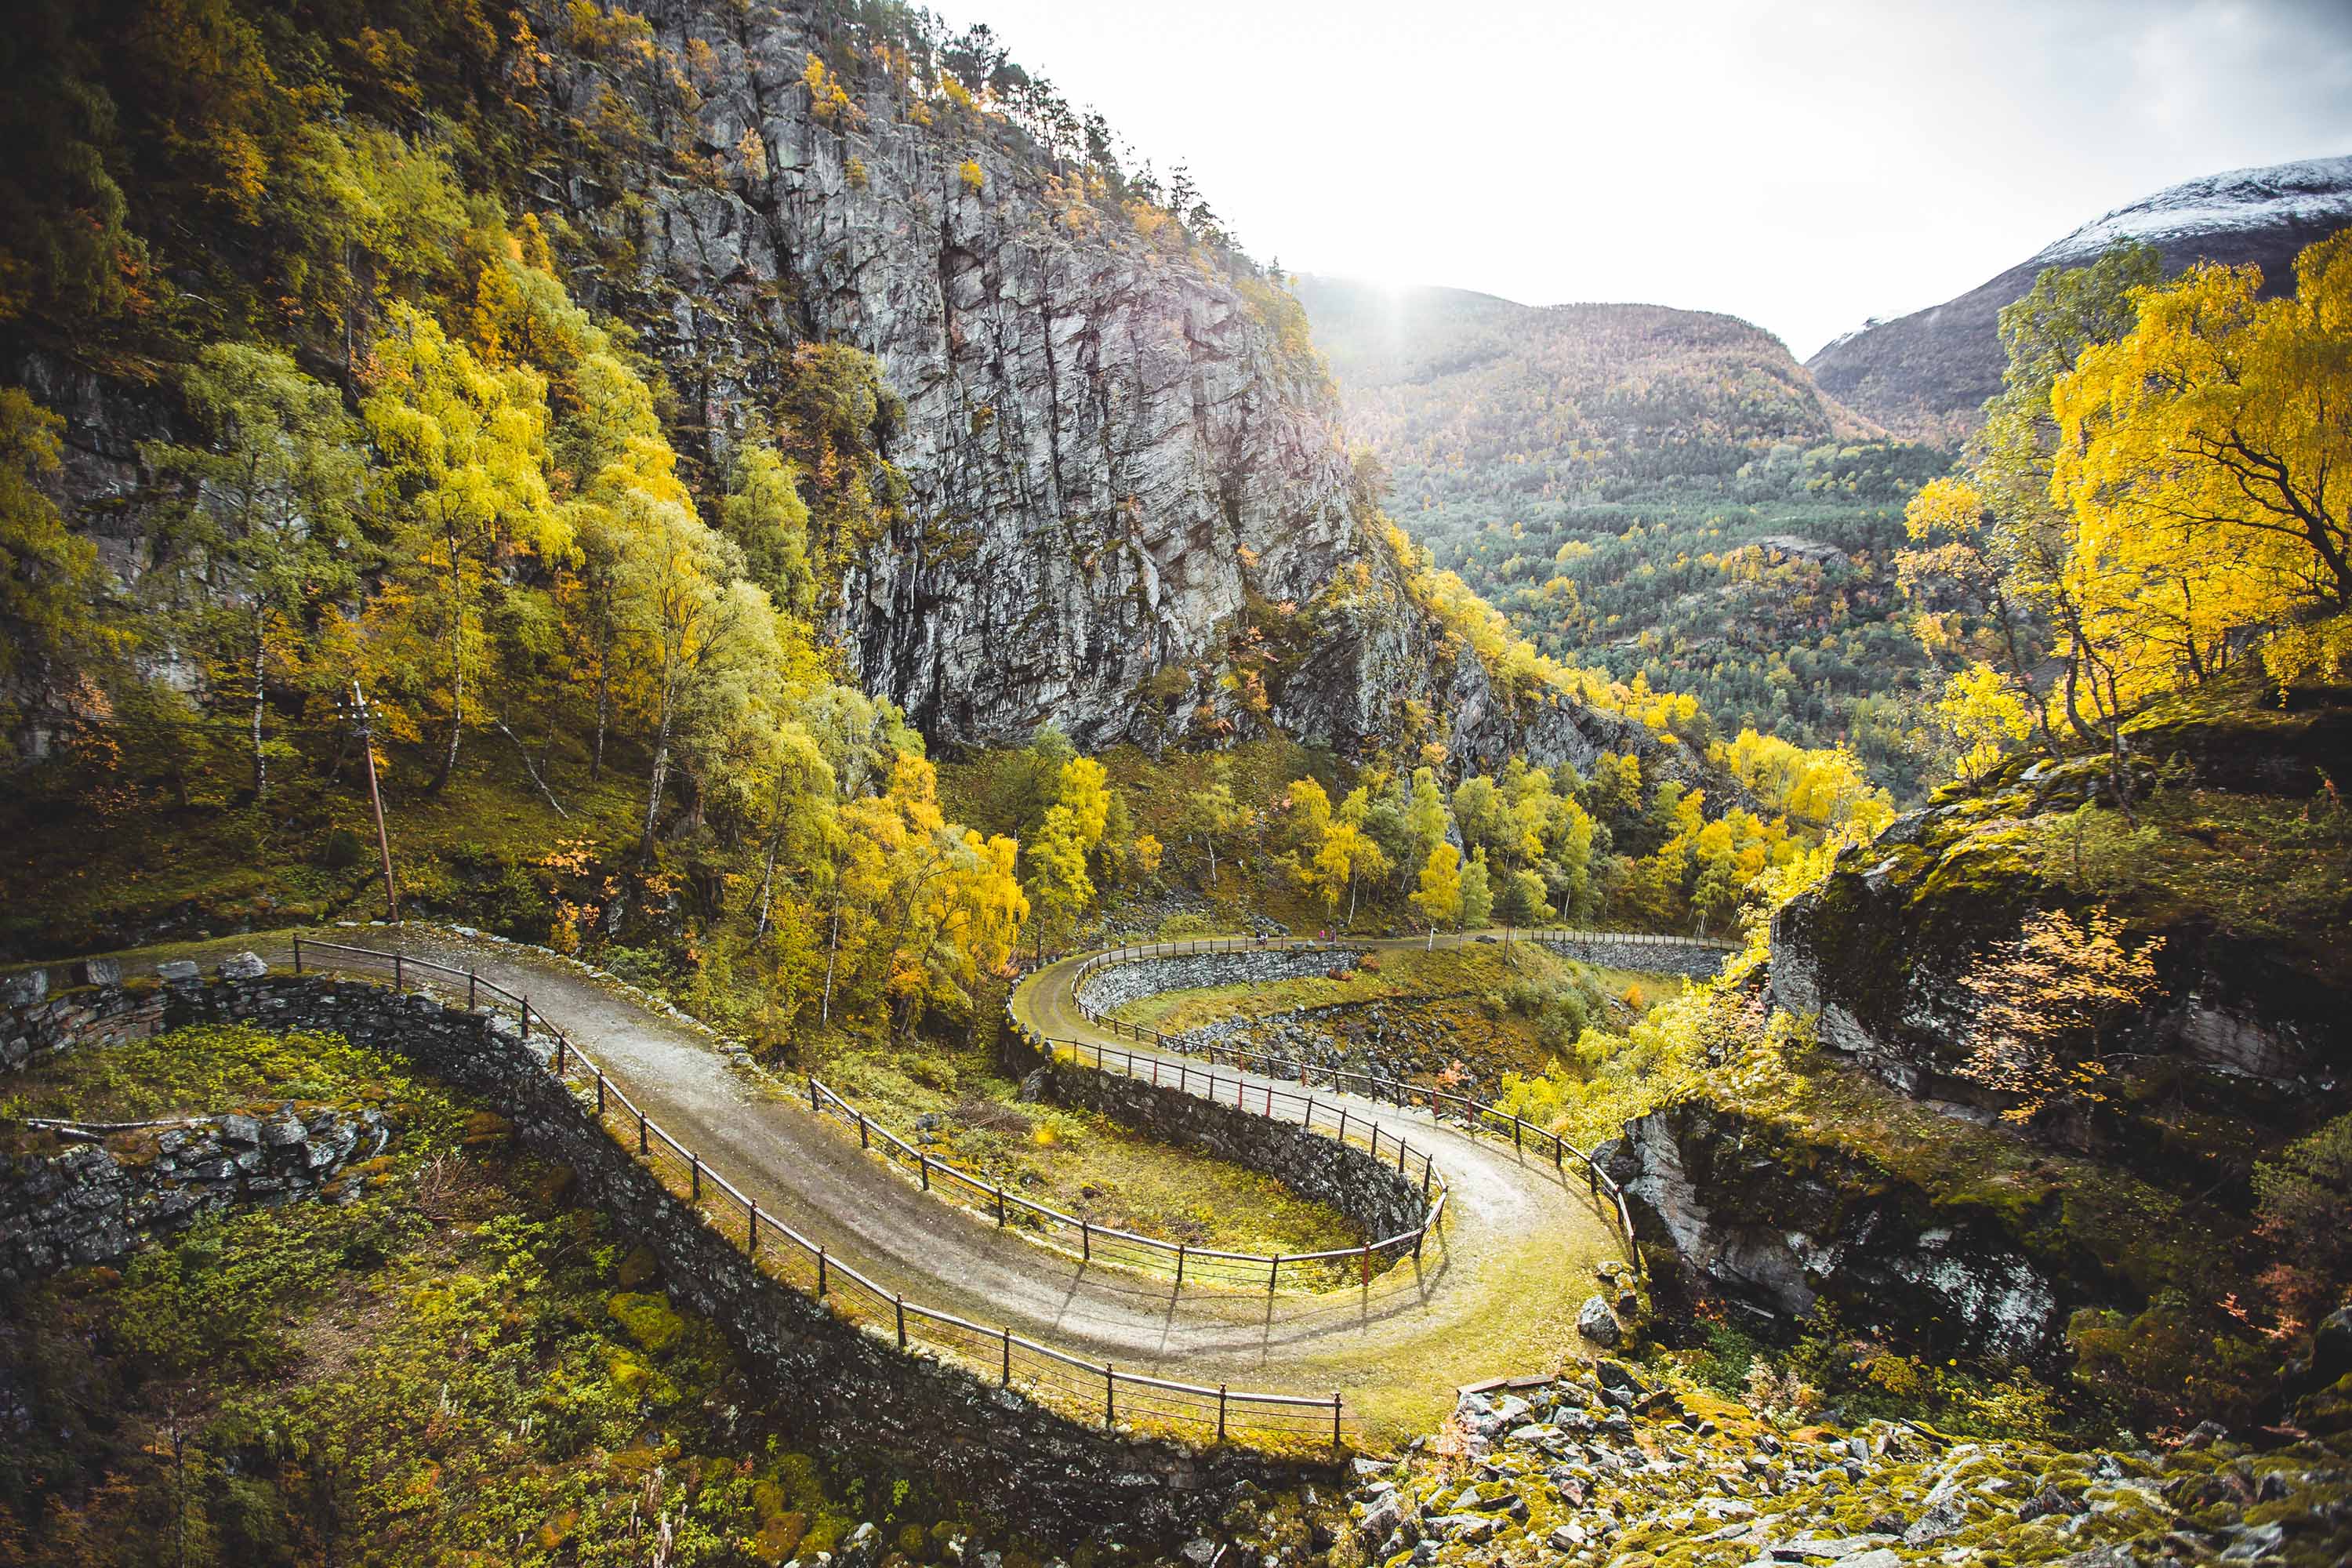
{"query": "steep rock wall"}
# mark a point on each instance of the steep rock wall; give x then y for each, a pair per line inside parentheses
(1775, 1228)
(1114, 452)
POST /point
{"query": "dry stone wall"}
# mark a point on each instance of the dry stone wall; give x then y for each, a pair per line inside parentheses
(97, 1199)
(1117, 984)
(1697, 959)
(1376, 1199)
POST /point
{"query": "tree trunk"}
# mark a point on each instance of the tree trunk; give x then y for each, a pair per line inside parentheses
(260, 763)
(604, 703)
(768, 870)
(456, 663)
(653, 793)
(532, 768)
(832, 955)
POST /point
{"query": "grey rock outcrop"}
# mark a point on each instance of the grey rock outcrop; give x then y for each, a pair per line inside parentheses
(1775, 1230)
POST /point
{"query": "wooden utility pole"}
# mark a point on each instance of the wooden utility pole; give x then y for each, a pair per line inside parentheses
(375, 801)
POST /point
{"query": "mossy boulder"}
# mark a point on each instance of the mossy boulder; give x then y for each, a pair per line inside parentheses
(648, 1319)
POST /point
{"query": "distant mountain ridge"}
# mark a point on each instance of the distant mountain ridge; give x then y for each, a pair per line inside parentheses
(1925, 374)
(1424, 367)
(1654, 491)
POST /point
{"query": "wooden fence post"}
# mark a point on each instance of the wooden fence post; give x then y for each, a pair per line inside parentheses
(526, 1017)
(900, 1302)
(1006, 1379)
(1335, 1421)
(821, 1281)
(1110, 1395)
(752, 1233)
(814, 1104)
(1180, 1265)
(1273, 1274)
(1087, 1240)
(298, 952)
(694, 1169)
(1000, 1206)
(470, 980)
(600, 1094)
(399, 974)
(924, 1161)
(1220, 1413)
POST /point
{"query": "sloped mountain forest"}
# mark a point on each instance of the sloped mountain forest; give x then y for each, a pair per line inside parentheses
(753, 815)
(1663, 495)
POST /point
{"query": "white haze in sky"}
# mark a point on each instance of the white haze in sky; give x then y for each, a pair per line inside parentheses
(1804, 167)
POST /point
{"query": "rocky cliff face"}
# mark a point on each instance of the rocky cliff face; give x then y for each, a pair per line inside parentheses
(1878, 950)
(1115, 453)
(1734, 1211)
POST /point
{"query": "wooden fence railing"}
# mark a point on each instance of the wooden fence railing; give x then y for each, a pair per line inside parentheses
(1471, 1114)
(1106, 1244)
(1053, 1377)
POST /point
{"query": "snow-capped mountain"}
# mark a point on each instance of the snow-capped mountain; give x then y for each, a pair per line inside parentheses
(2315, 192)
(1928, 373)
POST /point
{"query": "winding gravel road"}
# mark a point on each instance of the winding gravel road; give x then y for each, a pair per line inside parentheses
(1494, 1292)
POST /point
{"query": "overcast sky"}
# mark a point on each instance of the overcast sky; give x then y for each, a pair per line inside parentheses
(1804, 165)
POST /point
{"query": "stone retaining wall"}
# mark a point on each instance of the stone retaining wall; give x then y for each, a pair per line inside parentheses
(1376, 1199)
(96, 1201)
(1009, 1458)
(1117, 984)
(36, 1023)
(1656, 955)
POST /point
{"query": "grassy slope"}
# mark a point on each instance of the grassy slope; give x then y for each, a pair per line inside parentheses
(1078, 1162)
(457, 1364)
(103, 862)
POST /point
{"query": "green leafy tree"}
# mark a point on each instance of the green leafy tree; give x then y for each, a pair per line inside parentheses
(1439, 895)
(269, 512)
(463, 449)
(764, 515)
(1478, 892)
(1520, 901)
(1211, 814)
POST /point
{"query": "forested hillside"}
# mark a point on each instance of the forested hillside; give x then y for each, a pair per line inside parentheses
(574, 387)
(1662, 494)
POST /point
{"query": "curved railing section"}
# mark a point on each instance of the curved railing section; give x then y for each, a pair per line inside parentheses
(1051, 1376)
(1106, 1244)
(1475, 1116)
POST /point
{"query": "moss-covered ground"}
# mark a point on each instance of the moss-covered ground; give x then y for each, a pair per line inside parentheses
(117, 857)
(457, 1365)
